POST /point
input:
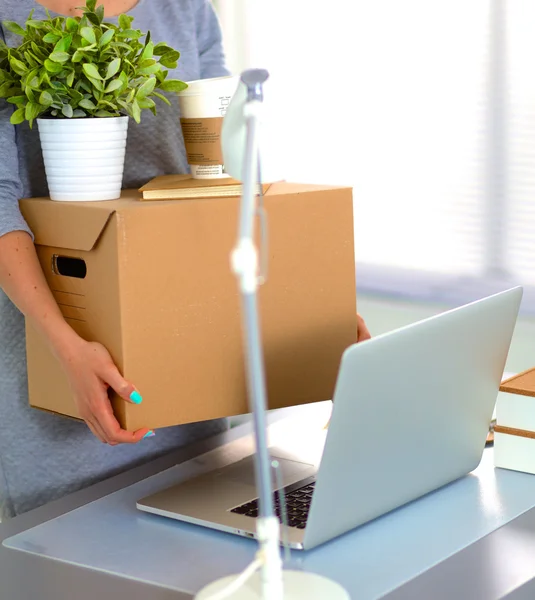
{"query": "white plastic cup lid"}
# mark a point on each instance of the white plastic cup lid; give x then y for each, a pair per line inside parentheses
(226, 84)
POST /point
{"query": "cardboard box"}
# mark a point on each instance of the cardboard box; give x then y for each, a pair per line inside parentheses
(514, 432)
(152, 282)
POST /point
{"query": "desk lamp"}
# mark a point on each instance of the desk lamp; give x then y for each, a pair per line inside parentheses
(264, 578)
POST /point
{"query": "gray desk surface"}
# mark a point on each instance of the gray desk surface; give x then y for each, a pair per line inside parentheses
(473, 539)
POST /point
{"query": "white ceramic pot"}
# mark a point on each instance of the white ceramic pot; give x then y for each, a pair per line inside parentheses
(84, 158)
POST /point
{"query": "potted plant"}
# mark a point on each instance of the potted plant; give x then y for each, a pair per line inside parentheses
(80, 79)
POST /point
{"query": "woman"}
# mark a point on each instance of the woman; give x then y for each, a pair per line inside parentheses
(43, 456)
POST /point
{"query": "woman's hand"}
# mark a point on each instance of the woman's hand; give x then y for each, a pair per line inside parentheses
(362, 330)
(89, 367)
(91, 371)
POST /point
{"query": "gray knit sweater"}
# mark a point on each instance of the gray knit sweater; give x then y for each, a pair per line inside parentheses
(42, 456)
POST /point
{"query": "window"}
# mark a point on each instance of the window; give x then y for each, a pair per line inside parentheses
(428, 110)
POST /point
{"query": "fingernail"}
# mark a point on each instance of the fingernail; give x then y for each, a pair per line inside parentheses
(149, 434)
(136, 398)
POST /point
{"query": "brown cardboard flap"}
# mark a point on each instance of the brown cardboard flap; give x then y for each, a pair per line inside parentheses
(66, 225)
(286, 187)
(523, 384)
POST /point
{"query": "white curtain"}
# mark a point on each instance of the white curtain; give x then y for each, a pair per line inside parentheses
(428, 110)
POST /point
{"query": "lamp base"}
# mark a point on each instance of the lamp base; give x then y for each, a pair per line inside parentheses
(298, 585)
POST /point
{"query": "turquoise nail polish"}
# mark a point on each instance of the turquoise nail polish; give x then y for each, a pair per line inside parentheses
(149, 434)
(136, 398)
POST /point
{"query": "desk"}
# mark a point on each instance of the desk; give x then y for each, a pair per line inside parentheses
(472, 539)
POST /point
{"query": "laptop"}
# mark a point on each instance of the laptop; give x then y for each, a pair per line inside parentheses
(411, 413)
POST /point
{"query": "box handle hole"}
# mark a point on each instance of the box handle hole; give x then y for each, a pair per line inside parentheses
(69, 266)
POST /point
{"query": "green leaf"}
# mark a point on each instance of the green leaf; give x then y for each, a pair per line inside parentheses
(91, 5)
(104, 113)
(122, 45)
(100, 13)
(39, 52)
(70, 79)
(97, 84)
(32, 79)
(18, 116)
(36, 24)
(76, 97)
(46, 98)
(147, 51)
(88, 34)
(43, 76)
(171, 56)
(78, 56)
(106, 38)
(147, 62)
(146, 88)
(59, 57)
(71, 24)
(39, 60)
(161, 75)
(162, 97)
(88, 47)
(150, 70)
(113, 86)
(136, 111)
(51, 38)
(18, 66)
(112, 105)
(168, 63)
(31, 60)
(124, 80)
(4, 89)
(86, 103)
(125, 21)
(78, 113)
(146, 103)
(32, 111)
(14, 27)
(91, 71)
(63, 44)
(17, 100)
(133, 34)
(93, 18)
(86, 87)
(67, 111)
(161, 48)
(173, 85)
(53, 67)
(113, 68)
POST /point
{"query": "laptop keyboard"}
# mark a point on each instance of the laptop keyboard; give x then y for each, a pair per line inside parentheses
(297, 505)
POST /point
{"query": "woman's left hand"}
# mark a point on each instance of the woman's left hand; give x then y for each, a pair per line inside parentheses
(362, 330)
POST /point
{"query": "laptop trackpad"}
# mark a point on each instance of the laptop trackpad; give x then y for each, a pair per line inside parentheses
(243, 471)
